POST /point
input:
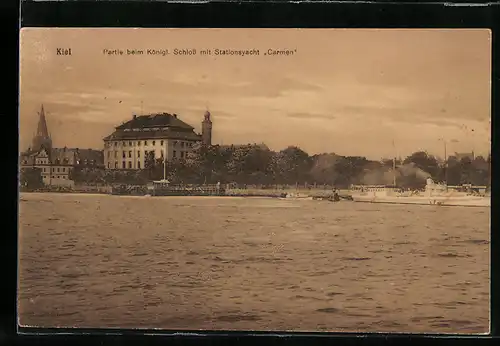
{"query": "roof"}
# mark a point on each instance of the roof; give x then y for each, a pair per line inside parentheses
(61, 154)
(243, 146)
(161, 134)
(155, 120)
(70, 154)
(464, 154)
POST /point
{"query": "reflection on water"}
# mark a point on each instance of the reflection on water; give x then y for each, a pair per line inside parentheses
(252, 264)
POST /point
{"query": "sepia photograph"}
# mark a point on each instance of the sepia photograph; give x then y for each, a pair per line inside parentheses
(280, 180)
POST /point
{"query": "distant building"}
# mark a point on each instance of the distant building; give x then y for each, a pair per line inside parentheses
(56, 164)
(460, 156)
(163, 134)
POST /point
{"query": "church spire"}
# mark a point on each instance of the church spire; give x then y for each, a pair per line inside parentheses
(42, 137)
(42, 130)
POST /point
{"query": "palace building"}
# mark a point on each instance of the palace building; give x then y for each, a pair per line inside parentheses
(163, 135)
(56, 164)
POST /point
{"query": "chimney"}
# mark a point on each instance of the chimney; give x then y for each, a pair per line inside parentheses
(175, 116)
(134, 116)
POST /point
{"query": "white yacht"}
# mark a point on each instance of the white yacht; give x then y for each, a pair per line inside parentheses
(434, 194)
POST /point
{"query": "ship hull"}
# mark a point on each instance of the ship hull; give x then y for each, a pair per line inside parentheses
(466, 201)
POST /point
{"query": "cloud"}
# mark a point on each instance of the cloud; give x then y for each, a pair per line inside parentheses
(310, 116)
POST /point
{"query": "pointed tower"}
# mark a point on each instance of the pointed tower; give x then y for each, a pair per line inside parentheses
(42, 137)
(206, 129)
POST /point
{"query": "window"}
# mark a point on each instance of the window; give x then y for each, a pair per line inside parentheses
(161, 153)
(109, 164)
(124, 144)
(139, 143)
(154, 142)
(129, 144)
(182, 144)
(123, 165)
(116, 164)
(124, 155)
(174, 153)
(145, 142)
(182, 154)
(161, 142)
(138, 153)
(130, 164)
(130, 154)
(139, 164)
(44, 169)
(115, 143)
(109, 154)
(175, 143)
(58, 169)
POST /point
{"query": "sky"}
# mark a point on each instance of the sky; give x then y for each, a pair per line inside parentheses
(366, 92)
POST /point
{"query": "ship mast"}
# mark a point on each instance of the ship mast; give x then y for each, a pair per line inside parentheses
(489, 170)
(445, 165)
(394, 170)
(394, 165)
(164, 168)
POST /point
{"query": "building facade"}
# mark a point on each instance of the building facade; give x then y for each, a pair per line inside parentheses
(471, 156)
(161, 135)
(57, 164)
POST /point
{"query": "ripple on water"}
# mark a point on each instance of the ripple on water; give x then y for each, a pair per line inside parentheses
(329, 310)
(238, 318)
(476, 241)
(141, 269)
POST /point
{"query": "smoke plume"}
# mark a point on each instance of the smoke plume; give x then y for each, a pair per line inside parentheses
(385, 176)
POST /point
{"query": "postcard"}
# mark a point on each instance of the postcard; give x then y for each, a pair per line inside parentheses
(284, 180)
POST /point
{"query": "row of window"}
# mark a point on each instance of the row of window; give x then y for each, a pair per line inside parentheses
(58, 169)
(162, 142)
(58, 177)
(58, 162)
(125, 164)
(129, 154)
(129, 163)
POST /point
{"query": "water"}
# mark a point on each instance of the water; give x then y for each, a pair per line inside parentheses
(252, 264)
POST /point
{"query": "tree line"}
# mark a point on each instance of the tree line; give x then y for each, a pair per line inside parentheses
(255, 164)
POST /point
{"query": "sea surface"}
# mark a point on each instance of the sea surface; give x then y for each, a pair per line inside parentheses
(225, 263)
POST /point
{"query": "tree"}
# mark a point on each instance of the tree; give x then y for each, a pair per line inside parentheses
(480, 171)
(31, 178)
(292, 165)
(248, 164)
(453, 171)
(149, 163)
(350, 170)
(466, 170)
(323, 168)
(425, 162)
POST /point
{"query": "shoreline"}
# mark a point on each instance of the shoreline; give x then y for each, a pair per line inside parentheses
(268, 193)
